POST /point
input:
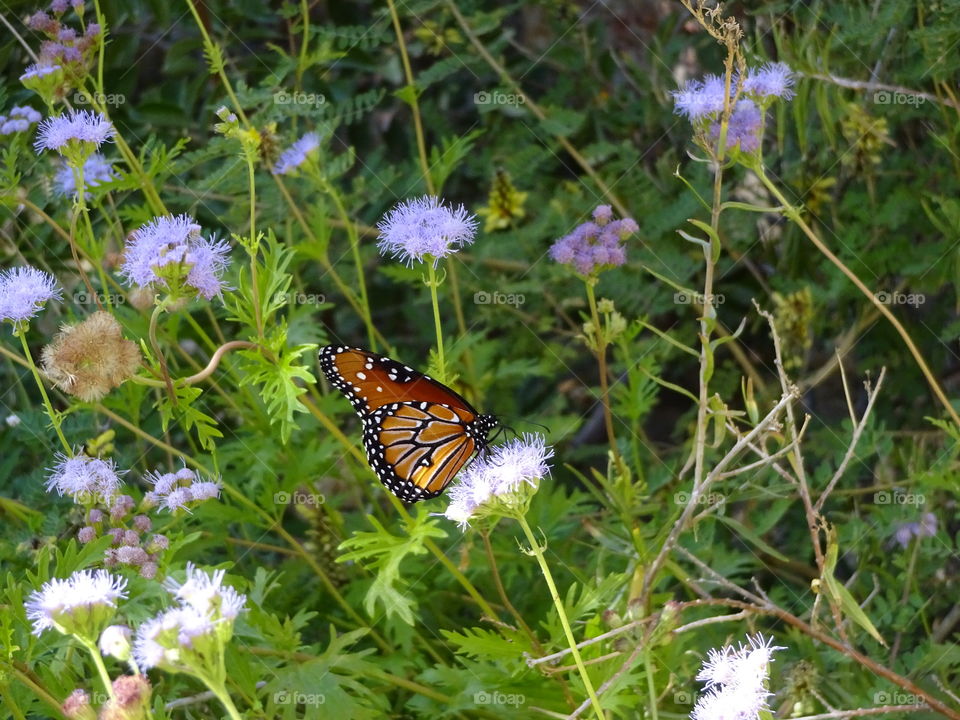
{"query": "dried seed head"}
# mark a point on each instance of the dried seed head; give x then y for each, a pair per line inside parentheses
(90, 359)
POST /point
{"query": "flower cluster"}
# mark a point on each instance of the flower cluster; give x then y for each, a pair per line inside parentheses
(75, 135)
(190, 637)
(702, 103)
(23, 293)
(296, 155)
(18, 119)
(424, 227)
(131, 546)
(65, 55)
(926, 527)
(96, 170)
(735, 681)
(169, 252)
(178, 490)
(90, 359)
(80, 605)
(595, 245)
(497, 479)
(87, 480)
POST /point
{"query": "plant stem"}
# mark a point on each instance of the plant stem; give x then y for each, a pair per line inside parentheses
(354, 237)
(537, 551)
(80, 208)
(601, 352)
(152, 333)
(791, 212)
(51, 413)
(254, 243)
(413, 102)
(433, 283)
(101, 668)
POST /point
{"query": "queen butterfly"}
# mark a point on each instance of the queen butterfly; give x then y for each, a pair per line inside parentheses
(417, 432)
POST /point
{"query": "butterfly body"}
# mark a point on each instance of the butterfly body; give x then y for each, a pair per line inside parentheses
(417, 432)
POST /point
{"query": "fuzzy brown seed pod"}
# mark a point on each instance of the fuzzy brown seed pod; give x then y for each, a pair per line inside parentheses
(90, 359)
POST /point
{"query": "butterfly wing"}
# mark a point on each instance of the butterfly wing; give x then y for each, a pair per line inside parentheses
(370, 381)
(417, 448)
(417, 433)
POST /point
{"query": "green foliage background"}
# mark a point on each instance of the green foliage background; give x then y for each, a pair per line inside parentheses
(878, 180)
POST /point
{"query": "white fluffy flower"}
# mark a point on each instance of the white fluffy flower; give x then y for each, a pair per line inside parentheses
(736, 681)
(78, 604)
(522, 460)
(207, 594)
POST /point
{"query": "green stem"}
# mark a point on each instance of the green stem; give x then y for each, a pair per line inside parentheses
(414, 104)
(601, 351)
(79, 210)
(432, 283)
(152, 333)
(51, 413)
(101, 668)
(537, 552)
(223, 696)
(355, 251)
(254, 243)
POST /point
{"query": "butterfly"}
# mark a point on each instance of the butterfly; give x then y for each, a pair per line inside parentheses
(417, 432)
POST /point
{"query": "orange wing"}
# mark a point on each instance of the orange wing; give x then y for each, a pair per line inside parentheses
(370, 381)
(416, 449)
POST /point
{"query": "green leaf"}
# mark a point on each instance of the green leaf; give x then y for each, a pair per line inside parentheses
(384, 553)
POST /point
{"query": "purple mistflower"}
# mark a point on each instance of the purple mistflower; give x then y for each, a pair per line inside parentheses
(41, 21)
(744, 128)
(175, 239)
(96, 170)
(59, 6)
(735, 681)
(38, 71)
(206, 593)
(771, 80)
(700, 98)
(93, 29)
(424, 226)
(13, 125)
(24, 291)
(75, 602)
(81, 475)
(178, 490)
(595, 244)
(160, 641)
(501, 473)
(926, 527)
(83, 126)
(295, 155)
(25, 111)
